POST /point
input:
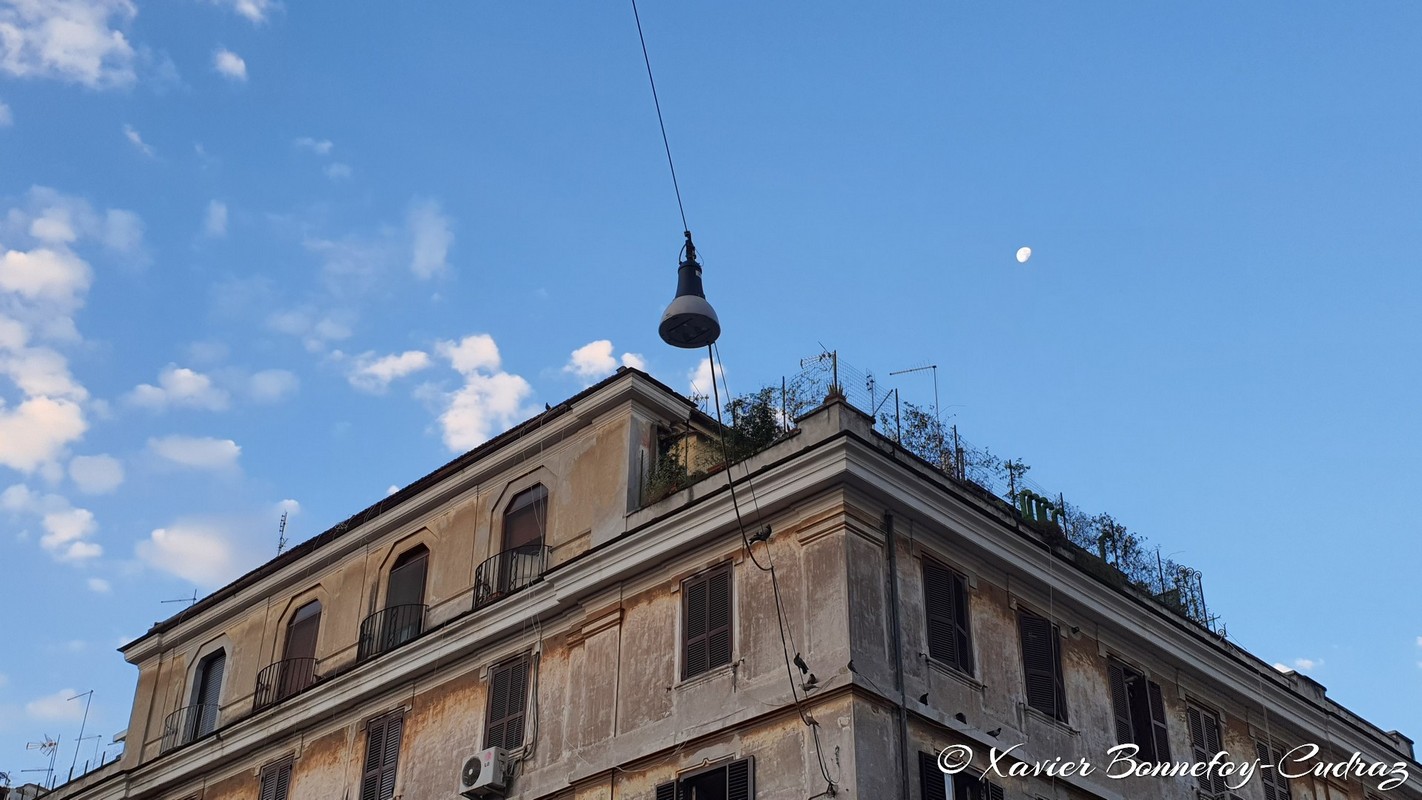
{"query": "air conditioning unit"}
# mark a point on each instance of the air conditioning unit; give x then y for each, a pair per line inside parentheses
(485, 773)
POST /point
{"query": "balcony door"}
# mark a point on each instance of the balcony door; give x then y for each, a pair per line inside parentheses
(298, 669)
(405, 598)
(525, 523)
(207, 692)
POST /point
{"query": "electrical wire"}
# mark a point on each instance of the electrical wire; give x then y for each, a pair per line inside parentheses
(665, 142)
(781, 618)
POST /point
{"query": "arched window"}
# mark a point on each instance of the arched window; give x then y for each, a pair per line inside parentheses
(526, 520)
(406, 584)
(403, 617)
(298, 665)
(207, 695)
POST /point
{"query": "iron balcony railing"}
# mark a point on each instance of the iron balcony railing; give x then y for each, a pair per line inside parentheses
(508, 572)
(282, 680)
(188, 723)
(389, 628)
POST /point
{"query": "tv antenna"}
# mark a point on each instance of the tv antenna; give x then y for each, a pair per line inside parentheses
(88, 698)
(189, 600)
(47, 747)
(937, 418)
(281, 534)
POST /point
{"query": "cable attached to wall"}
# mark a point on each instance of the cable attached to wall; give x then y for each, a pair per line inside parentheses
(781, 618)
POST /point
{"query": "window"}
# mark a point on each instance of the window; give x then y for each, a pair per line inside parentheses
(508, 698)
(1140, 712)
(382, 755)
(276, 780)
(945, 603)
(207, 695)
(526, 519)
(1276, 786)
(935, 784)
(406, 585)
(733, 781)
(1042, 664)
(298, 669)
(1205, 741)
(706, 621)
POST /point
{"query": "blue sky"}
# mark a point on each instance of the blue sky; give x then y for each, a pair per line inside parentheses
(263, 257)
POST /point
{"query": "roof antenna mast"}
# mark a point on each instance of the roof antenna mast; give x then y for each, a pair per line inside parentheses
(689, 321)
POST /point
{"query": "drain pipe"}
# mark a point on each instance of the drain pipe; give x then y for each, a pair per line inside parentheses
(891, 542)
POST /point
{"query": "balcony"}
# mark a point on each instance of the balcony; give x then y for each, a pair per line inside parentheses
(282, 680)
(187, 724)
(508, 572)
(389, 628)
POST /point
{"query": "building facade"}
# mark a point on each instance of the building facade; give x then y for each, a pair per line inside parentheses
(828, 617)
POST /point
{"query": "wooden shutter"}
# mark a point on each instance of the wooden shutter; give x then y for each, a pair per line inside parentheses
(706, 632)
(992, 791)
(1205, 741)
(406, 585)
(508, 696)
(667, 791)
(1042, 665)
(382, 756)
(1120, 703)
(208, 693)
(1276, 786)
(931, 781)
(945, 596)
(740, 779)
(1160, 732)
(301, 631)
(526, 519)
(276, 780)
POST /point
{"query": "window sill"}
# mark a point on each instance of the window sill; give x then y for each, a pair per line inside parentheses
(944, 668)
(704, 677)
(1050, 720)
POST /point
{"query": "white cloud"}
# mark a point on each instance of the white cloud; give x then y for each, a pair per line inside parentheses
(123, 232)
(36, 431)
(1283, 667)
(1308, 664)
(99, 474)
(490, 401)
(41, 372)
(6, 117)
(137, 141)
(472, 353)
(44, 274)
(338, 171)
(1419, 641)
(197, 552)
(76, 41)
(320, 147)
(229, 64)
(179, 387)
(317, 331)
(374, 374)
(391, 489)
(595, 360)
(67, 529)
(255, 11)
(214, 222)
(430, 238)
(700, 378)
(198, 452)
(272, 385)
(57, 707)
(289, 507)
(99, 585)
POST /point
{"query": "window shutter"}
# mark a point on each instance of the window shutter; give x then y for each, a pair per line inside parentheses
(992, 791)
(718, 622)
(945, 595)
(283, 781)
(1276, 787)
(268, 791)
(740, 779)
(667, 791)
(276, 780)
(391, 757)
(374, 748)
(1041, 662)
(931, 778)
(706, 629)
(1159, 730)
(508, 695)
(406, 584)
(1204, 743)
(1120, 703)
